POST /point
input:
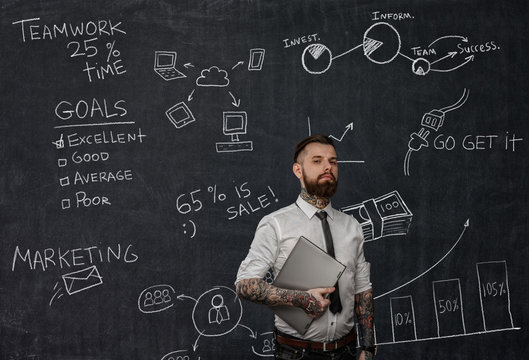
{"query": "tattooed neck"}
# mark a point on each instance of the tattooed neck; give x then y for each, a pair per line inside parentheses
(319, 202)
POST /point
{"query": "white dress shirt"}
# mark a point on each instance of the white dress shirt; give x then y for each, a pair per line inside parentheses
(275, 237)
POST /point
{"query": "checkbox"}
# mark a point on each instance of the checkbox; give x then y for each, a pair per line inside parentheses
(62, 162)
(59, 144)
(65, 203)
(65, 181)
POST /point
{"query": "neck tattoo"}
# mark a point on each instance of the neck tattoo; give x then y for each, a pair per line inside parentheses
(319, 202)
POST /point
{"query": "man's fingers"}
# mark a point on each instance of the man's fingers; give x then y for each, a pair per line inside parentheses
(330, 290)
(324, 291)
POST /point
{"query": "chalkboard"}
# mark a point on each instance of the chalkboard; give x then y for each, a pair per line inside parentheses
(142, 142)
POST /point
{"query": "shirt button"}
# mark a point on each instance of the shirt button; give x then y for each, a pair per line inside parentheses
(332, 324)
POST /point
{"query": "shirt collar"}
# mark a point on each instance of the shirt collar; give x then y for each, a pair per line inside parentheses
(310, 210)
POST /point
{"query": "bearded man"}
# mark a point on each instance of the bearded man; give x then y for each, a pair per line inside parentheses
(332, 333)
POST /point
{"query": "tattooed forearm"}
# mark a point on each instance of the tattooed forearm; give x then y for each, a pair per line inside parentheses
(261, 292)
(365, 313)
(309, 303)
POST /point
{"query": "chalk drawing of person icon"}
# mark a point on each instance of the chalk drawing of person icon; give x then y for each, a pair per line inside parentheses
(219, 312)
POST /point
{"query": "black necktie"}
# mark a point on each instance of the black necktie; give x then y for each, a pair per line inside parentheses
(336, 304)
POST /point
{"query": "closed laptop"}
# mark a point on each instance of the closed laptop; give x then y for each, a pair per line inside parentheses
(307, 267)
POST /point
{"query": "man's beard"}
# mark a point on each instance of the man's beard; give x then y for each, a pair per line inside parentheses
(325, 189)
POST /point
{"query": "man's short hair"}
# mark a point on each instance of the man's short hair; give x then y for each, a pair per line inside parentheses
(322, 139)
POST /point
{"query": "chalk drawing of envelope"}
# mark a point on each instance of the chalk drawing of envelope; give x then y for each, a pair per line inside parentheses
(81, 280)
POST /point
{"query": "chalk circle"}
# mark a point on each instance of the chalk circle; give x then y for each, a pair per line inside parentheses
(175, 355)
(156, 298)
(219, 298)
(264, 344)
(381, 43)
(420, 66)
(316, 59)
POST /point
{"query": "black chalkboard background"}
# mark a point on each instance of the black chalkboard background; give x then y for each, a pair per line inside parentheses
(450, 276)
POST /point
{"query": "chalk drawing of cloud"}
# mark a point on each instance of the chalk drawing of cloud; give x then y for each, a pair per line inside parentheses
(213, 77)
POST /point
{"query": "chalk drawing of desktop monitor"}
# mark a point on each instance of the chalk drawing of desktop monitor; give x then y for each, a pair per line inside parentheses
(164, 65)
(234, 124)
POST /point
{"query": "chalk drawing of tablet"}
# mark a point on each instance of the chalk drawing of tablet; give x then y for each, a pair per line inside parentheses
(180, 115)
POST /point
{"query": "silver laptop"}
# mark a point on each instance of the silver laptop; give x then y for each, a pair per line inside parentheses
(307, 267)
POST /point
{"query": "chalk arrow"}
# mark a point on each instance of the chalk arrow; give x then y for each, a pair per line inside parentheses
(467, 60)
(190, 97)
(450, 55)
(235, 102)
(465, 226)
(182, 297)
(188, 65)
(464, 39)
(347, 128)
(195, 345)
(253, 334)
(239, 63)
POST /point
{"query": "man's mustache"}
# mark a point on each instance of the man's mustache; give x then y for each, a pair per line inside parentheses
(325, 174)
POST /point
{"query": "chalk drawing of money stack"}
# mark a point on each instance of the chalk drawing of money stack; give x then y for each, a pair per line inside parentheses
(384, 216)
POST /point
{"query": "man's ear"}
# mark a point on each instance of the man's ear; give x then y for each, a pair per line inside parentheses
(296, 169)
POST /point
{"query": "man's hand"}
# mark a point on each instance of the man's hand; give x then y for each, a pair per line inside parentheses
(314, 302)
(366, 355)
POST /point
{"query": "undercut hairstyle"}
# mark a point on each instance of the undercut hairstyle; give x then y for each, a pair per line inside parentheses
(322, 139)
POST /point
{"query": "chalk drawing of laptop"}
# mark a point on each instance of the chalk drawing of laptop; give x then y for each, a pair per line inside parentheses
(164, 65)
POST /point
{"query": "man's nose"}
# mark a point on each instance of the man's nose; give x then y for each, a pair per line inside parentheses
(327, 165)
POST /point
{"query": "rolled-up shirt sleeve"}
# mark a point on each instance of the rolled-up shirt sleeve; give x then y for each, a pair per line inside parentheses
(262, 254)
(363, 268)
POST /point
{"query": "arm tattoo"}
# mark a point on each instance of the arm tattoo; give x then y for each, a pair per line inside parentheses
(309, 304)
(365, 313)
(261, 292)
